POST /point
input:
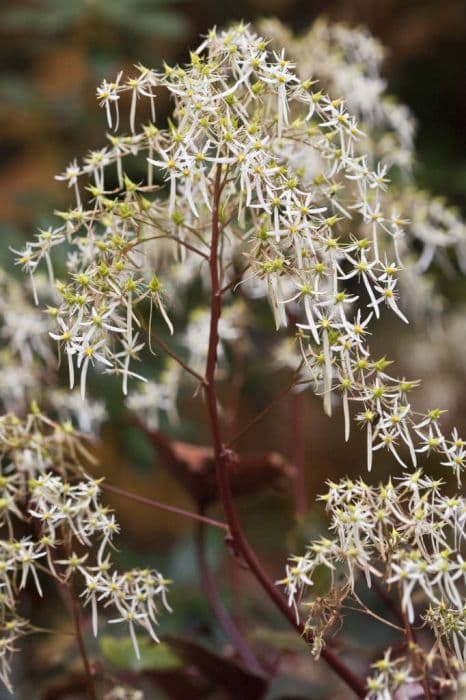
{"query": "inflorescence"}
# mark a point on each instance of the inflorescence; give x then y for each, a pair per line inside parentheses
(310, 221)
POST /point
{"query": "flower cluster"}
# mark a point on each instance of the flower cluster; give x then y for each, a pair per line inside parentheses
(27, 356)
(293, 178)
(28, 369)
(408, 536)
(346, 62)
(45, 489)
(305, 218)
(87, 415)
(393, 677)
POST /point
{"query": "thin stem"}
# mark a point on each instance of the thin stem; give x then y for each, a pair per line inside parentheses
(413, 651)
(195, 230)
(257, 418)
(68, 594)
(389, 602)
(237, 279)
(45, 630)
(367, 611)
(224, 458)
(164, 506)
(172, 237)
(177, 359)
(221, 613)
(77, 621)
(170, 352)
(409, 634)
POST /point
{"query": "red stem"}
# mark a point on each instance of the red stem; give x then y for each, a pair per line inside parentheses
(224, 458)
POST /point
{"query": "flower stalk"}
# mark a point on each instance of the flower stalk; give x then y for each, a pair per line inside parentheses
(225, 458)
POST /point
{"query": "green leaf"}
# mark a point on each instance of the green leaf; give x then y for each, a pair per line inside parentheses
(119, 651)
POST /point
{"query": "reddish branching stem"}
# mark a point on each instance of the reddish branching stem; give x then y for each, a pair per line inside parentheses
(224, 458)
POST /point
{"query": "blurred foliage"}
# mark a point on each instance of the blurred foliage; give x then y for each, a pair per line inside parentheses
(154, 657)
(154, 18)
(53, 53)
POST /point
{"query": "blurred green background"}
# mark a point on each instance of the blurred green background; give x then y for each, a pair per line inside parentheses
(53, 54)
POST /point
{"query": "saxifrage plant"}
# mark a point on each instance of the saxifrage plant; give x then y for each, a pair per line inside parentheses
(260, 185)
